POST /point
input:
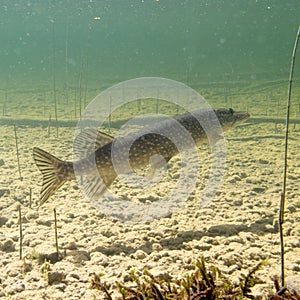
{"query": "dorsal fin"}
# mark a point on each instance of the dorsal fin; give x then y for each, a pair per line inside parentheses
(88, 141)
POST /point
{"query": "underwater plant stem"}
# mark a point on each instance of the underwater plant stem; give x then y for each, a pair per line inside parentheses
(21, 235)
(80, 87)
(55, 228)
(66, 64)
(54, 79)
(283, 194)
(17, 150)
(30, 197)
(85, 88)
(109, 116)
(75, 104)
(4, 105)
(49, 125)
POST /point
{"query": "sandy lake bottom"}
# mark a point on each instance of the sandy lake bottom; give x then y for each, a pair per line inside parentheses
(236, 230)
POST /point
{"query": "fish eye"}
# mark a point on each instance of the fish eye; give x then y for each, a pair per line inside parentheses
(231, 111)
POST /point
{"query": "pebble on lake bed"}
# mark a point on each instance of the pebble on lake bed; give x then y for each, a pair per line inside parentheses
(7, 245)
(140, 254)
(15, 288)
(3, 220)
(4, 191)
(55, 277)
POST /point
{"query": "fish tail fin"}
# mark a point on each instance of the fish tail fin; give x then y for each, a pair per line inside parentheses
(55, 172)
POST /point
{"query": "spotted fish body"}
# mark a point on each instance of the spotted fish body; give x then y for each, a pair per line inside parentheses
(102, 153)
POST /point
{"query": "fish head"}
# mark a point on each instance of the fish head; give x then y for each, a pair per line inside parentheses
(229, 118)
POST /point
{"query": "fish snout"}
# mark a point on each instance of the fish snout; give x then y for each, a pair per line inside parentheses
(241, 116)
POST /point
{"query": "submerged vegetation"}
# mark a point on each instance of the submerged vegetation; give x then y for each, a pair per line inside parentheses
(203, 283)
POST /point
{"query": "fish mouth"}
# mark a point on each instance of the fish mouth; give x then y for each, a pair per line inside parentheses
(241, 116)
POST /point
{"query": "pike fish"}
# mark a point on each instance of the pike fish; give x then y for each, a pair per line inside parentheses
(99, 152)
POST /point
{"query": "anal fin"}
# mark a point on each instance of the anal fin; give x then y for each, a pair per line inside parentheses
(96, 186)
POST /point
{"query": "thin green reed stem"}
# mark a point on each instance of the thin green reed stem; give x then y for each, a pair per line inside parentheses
(21, 234)
(283, 194)
(56, 236)
(17, 150)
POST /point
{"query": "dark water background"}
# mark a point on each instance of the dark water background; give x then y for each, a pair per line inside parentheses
(104, 42)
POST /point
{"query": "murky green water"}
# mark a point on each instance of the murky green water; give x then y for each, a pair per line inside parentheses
(104, 42)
